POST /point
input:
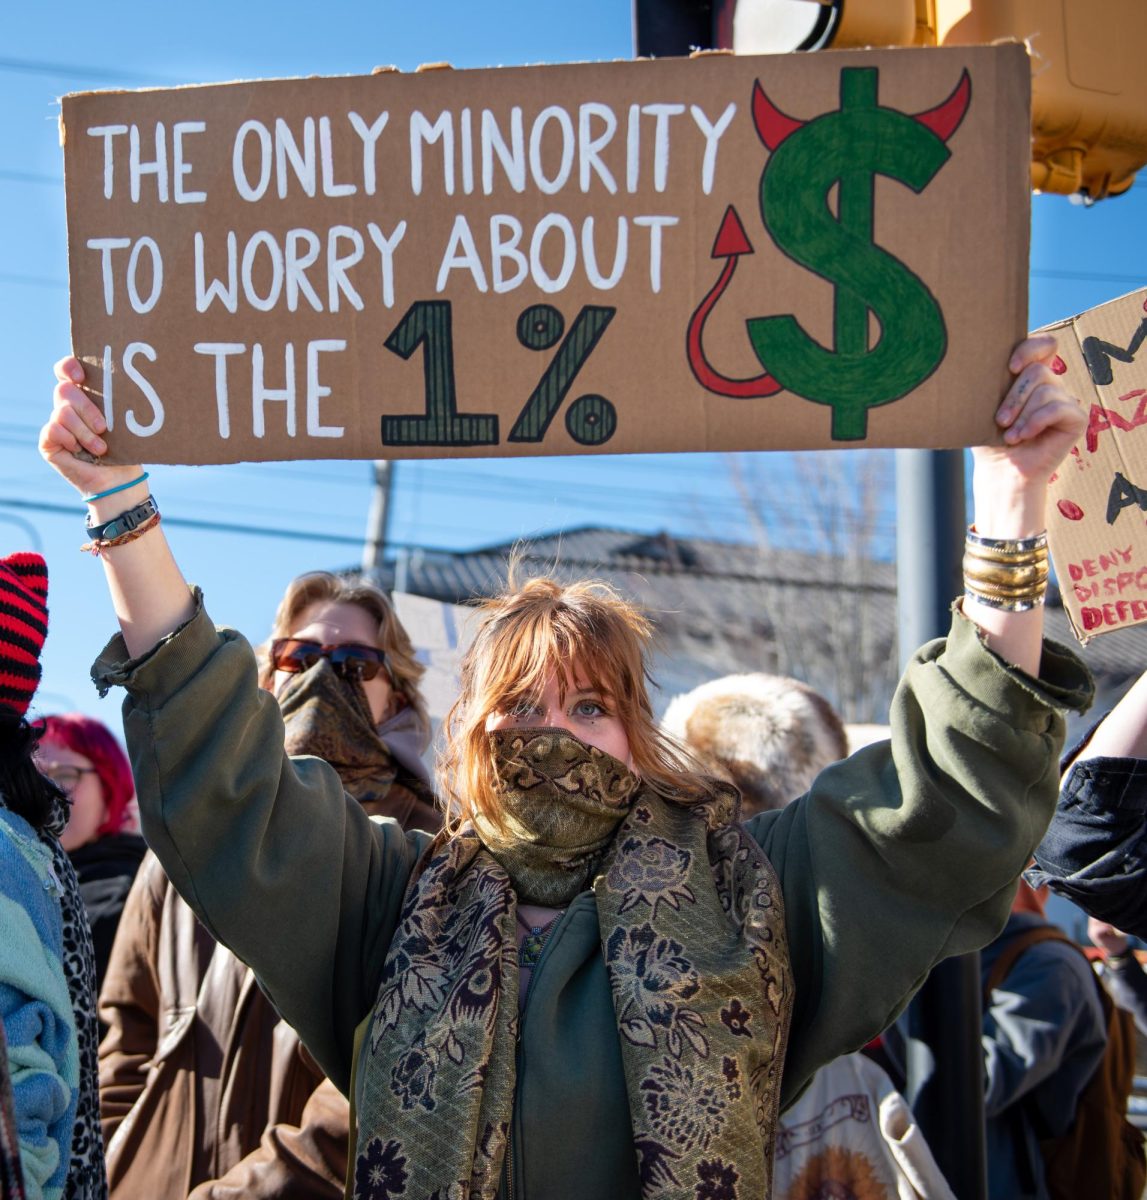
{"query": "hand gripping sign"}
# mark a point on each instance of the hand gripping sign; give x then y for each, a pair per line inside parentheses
(710, 254)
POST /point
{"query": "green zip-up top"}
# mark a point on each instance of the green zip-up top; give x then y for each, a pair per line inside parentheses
(898, 857)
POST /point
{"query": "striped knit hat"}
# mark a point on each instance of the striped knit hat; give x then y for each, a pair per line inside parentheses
(23, 627)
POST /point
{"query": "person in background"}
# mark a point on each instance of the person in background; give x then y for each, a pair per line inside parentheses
(1095, 850)
(1122, 972)
(205, 1091)
(47, 975)
(1044, 1035)
(377, 747)
(82, 756)
(767, 734)
(851, 1132)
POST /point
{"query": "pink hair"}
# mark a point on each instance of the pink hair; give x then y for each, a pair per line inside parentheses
(95, 741)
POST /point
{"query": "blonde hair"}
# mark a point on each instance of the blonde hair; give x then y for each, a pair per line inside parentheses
(521, 637)
(321, 587)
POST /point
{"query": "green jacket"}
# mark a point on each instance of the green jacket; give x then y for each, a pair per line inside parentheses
(898, 857)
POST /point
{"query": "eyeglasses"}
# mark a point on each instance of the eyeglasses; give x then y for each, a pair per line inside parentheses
(67, 777)
(351, 660)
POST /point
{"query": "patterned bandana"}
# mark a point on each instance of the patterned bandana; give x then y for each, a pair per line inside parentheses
(330, 718)
(563, 801)
(693, 937)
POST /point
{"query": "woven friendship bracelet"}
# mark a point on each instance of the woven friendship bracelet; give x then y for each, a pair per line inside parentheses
(97, 548)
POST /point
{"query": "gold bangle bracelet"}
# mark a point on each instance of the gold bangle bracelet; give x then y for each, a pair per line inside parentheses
(1004, 593)
(1037, 573)
(1000, 559)
(1025, 605)
(1025, 545)
(1006, 584)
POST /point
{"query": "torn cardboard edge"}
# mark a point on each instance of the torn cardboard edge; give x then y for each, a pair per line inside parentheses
(1097, 512)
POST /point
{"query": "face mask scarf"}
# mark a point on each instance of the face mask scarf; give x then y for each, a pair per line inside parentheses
(693, 938)
(329, 717)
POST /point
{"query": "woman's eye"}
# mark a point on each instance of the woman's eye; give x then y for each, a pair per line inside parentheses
(589, 708)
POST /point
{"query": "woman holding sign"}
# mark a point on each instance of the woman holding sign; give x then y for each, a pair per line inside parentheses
(596, 981)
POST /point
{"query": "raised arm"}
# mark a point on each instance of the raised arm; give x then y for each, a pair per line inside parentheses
(278, 864)
(148, 590)
(926, 834)
(1041, 421)
(1123, 732)
(1095, 851)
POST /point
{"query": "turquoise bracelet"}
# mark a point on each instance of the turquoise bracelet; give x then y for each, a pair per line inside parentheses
(112, 491)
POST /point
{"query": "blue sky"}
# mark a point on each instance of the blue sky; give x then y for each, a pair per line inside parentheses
(1080, 257)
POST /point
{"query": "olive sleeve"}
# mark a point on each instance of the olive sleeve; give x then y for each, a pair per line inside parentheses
(281, 866)
(908, 852)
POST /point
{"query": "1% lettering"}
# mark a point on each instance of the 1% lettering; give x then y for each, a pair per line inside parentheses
(590, 419)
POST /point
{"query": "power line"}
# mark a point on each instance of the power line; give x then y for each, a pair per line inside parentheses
(665, 508)
(33, 280)
(31, 177)
(212, 526)
(462, 485)
(1089, 276)
(231, 527)
(645, 568)
(31, 66)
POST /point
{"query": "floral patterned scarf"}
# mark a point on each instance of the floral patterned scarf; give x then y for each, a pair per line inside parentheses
(682, 884)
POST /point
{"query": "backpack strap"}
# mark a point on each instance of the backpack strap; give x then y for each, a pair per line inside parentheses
(1015, 947)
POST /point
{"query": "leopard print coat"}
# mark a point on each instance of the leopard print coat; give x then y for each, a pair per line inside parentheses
(87, 1176)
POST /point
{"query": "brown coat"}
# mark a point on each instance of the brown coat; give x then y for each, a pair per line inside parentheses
(204, 1090)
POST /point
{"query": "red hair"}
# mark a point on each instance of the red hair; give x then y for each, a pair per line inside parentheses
(96, 742)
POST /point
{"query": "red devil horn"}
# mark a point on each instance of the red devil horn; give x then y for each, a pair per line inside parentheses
(773, 126)
(944, 119)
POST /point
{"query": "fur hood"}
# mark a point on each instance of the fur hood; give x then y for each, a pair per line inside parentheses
(769, 734)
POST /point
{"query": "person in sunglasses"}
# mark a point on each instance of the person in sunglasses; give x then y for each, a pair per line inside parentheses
(205, 1091)
(596, 981)
(328, 636)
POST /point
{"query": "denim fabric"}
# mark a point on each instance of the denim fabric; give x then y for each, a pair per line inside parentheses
(1095, 851)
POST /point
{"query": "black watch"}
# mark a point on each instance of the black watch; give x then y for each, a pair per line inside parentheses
(124, 523)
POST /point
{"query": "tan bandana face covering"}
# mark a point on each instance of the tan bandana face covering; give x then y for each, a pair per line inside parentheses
(330, 718)
(692, 934)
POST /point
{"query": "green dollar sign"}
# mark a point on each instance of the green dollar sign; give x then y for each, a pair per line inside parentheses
(849, 148)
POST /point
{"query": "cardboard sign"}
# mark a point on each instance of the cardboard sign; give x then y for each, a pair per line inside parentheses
(1097, 531)
(712, 254)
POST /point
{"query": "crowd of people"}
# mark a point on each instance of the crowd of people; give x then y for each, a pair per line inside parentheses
(589, 954)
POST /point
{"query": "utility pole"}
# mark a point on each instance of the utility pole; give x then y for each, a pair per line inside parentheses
(944, 1059)
(377, 523)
